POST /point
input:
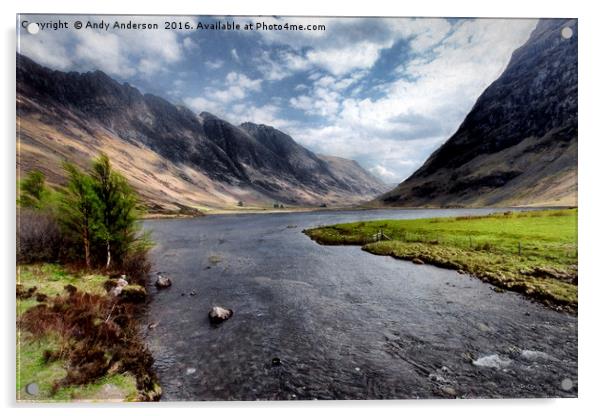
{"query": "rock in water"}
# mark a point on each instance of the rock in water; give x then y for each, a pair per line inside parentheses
(217, 314)
(492, 361)
(163, 282)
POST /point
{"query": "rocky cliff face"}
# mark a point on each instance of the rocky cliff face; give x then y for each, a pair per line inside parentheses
(518, 144)
(173, 156)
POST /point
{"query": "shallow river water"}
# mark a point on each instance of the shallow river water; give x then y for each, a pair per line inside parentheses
(324, 322)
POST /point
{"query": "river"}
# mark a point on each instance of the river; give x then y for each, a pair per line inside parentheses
(334, 322)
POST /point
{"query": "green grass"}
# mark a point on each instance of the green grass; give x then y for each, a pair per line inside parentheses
(50, 279)
(531, 252)
(31, 368)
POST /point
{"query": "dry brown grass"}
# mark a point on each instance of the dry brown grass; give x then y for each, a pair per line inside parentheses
(98, 337)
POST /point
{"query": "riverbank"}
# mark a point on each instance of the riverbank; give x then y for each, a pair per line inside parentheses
(533, 253)
(76, 342)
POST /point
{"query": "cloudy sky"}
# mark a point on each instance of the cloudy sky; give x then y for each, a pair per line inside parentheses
(383, 91)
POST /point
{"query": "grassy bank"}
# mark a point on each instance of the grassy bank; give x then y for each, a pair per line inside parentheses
(532, 252)
(75, 342)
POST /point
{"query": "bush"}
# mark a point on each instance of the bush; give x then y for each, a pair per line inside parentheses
(98, 336)
(39, 236)
(136, 264)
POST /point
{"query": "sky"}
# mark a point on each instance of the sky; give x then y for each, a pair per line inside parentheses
(385, 92)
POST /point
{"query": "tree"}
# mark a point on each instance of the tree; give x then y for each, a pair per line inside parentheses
(80, 209)
(118, 204)
(33, 192)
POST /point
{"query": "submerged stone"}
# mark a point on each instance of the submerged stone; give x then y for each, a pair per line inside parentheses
(492, 361)
(163, 282)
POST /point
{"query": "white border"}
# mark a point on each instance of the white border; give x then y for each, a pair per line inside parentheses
(590, 71)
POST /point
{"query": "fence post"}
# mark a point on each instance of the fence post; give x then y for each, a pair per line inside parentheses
(519, 249)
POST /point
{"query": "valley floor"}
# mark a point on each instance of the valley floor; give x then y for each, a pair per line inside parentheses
(252, 210)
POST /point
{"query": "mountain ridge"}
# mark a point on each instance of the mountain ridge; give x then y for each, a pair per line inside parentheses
(518, 143)
(173, 156)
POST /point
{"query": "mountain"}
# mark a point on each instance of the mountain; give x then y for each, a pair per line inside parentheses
(518, 144)
(173, 157)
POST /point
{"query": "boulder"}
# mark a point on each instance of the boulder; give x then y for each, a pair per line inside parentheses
(163, 282)
(218, 314)
(133, 294)
(118, 288)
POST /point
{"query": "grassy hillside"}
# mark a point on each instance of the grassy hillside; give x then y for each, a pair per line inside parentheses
(534, 253)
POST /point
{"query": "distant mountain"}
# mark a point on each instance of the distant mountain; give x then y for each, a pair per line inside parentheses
(518, 144)
(174, 157)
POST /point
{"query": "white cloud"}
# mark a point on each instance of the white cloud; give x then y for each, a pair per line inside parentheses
(339, 61)
(235, 55)
(189, 44)
(267, 114)
(225, 101)
(202, 103)
(423, 107)
(239, 113)
(390, 124)
(323, 102)
(383, 172)
(215, 64)
(235, 87)
(123, 53)
(325, 97)
(242, 81)
(46, 49)
(349, 44)
(271, 69)
(103, 51)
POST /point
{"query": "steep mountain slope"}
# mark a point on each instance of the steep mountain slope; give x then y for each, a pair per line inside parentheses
(173, 157)
(518, 144)
(333, 175)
